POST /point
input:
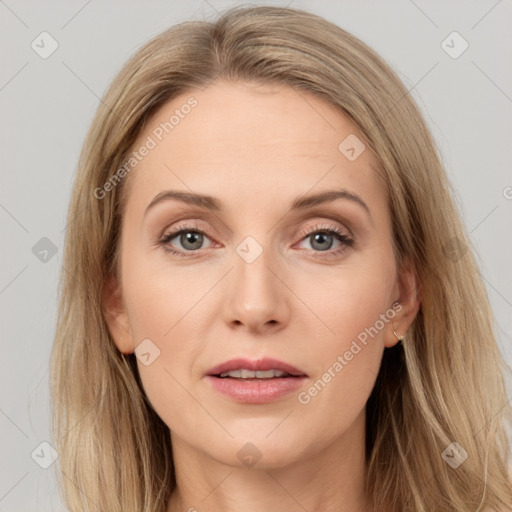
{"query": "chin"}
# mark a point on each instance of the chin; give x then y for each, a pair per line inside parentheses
(263, 448)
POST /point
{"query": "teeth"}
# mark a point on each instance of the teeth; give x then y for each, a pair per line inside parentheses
(249, 374)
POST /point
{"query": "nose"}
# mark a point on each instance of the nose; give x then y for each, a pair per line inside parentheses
(257, 298)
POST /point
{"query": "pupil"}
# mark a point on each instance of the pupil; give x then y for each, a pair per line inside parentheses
(191, 237)
(321, 237)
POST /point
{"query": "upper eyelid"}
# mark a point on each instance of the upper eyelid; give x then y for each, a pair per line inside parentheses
(323, 225)
(322, 213)
(192, 225)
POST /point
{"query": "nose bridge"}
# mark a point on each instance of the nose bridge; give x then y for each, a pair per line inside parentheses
(257, 297)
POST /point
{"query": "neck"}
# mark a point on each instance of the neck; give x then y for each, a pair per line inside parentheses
(330, 479)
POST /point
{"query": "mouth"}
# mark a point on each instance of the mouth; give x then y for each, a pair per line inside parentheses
(245, 374)
(255, 381)
(266, 368)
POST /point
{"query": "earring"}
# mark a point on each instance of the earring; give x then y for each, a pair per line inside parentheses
(399, 338)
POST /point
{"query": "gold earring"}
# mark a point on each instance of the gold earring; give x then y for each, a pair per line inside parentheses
(399, 338)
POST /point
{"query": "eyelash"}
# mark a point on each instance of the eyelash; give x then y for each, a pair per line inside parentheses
(346, 241)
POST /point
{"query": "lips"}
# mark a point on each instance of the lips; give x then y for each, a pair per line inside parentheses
(255, 382)
(260, 365)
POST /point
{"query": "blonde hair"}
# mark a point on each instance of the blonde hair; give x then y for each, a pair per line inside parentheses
(444, 384)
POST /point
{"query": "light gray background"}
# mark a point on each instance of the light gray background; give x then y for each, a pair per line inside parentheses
(47, 105)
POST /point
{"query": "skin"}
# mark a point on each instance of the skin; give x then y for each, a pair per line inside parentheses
(257, 148)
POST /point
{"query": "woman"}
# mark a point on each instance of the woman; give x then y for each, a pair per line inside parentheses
(255, 369)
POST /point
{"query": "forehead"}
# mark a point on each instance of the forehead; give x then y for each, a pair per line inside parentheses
(241, 141)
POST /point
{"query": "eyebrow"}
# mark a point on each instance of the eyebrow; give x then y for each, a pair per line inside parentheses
(300, 203)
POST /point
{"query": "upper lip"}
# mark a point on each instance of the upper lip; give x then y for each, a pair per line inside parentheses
(255, 365)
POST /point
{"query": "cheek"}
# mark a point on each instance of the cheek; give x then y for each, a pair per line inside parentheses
(164, 309)
(355, 304)
(162, 296)
(173, 306)
(350, 301)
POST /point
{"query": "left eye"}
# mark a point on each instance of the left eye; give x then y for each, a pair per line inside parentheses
(322, 240)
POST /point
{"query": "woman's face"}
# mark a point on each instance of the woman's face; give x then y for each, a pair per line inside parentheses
(259, 271)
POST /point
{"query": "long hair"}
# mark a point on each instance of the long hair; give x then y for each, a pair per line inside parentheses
(444, 385)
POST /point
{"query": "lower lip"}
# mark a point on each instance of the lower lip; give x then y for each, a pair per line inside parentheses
(255, 391)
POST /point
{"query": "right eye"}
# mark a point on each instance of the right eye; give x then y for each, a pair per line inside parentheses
(190, 238)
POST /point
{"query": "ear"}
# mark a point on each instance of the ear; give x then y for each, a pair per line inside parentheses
(116, 316)
(407, 303)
